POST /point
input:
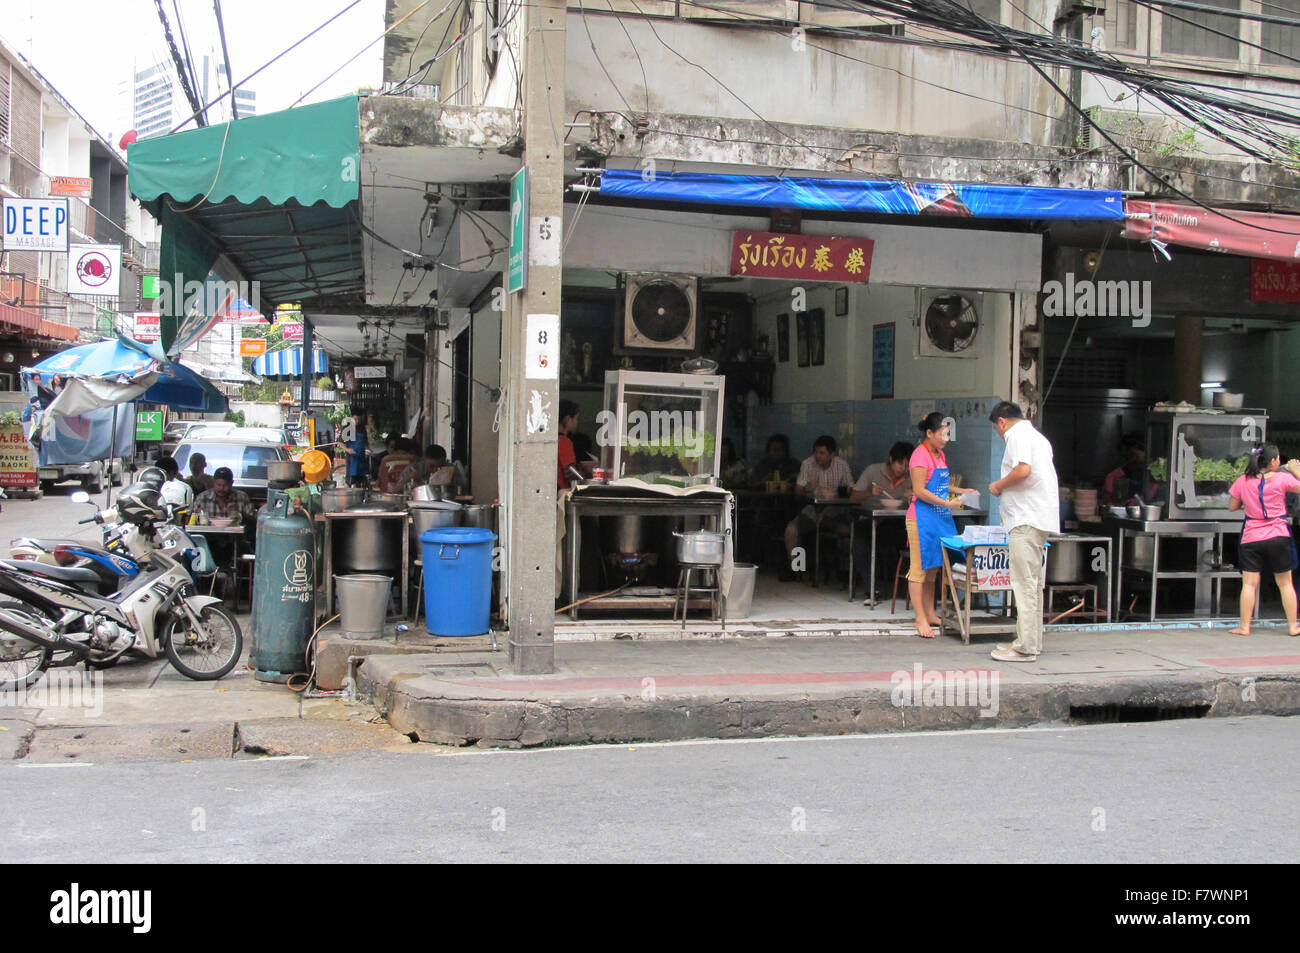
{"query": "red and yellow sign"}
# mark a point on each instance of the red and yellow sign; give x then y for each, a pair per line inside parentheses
(1274, 280)
(252, 347)
(70, 185)
(17, 463)
(807, 257)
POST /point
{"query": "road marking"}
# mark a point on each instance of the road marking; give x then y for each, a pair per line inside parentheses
(276, 757)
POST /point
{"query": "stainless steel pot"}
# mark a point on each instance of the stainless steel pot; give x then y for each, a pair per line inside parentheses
(367, 545)
(341, 499)
(483, 515)
(1152, 512)
(1133, 511)
(1139, 551)
(284, 470)
(1064, 563)
(386, 501)
(429, 515)
(428, 494)
(701, 547)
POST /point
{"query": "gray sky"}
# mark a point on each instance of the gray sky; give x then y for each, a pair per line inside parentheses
(88, 48)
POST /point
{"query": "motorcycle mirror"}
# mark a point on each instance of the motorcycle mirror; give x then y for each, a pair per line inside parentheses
(80, 496)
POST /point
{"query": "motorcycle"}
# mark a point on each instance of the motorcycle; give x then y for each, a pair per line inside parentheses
(158, 612)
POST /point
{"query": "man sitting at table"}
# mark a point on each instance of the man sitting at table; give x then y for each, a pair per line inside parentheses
(777, 467)
(223, 501)
(882, 481)
(821, 476)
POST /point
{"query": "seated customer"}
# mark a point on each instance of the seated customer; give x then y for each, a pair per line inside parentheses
(777, 466)
(821, 476)
(890, 480)
(733, 474)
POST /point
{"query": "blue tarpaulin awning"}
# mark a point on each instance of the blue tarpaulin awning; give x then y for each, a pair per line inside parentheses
(865, 195)
(288, 363)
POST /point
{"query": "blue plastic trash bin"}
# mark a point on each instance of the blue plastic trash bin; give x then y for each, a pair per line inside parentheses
(457, 580)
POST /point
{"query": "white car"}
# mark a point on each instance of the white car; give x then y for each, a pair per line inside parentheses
(91, 474)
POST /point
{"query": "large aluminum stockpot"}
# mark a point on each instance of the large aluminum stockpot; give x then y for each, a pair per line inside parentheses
(701, 547)
(426, 493)
(1064, 562)
(435, 514)
(482, 515)
(366, 544)
(385, 501)
(341, 499)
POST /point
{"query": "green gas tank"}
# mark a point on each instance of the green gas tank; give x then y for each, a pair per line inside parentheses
(284, 590)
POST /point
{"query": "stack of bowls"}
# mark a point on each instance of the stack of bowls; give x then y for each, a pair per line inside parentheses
(1085, 504)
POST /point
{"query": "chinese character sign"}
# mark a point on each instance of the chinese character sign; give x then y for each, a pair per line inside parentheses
(810, 257)
(17, 464)
(1274, 280)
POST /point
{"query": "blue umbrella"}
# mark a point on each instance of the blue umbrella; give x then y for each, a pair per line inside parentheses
(107, 373)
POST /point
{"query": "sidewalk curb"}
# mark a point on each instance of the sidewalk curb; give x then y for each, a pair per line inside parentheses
(416, 704)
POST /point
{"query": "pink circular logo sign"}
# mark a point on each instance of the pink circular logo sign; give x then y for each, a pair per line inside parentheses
(94, 269)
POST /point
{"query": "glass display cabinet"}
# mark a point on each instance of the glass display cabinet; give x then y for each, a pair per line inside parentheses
(662, 428)
(1194, 458)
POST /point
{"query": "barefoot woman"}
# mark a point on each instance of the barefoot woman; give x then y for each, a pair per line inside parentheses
(928, 518)
(1266, 541)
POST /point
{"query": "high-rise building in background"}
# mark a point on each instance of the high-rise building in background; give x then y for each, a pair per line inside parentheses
(158, 104)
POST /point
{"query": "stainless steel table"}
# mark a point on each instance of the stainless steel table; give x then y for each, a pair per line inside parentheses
(1110, 562)
(236, 534)
(617, 501)
(875, 514)
(1209, 537)
(328, 558)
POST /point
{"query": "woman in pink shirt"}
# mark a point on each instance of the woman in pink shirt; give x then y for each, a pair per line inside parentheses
(1266, 541)
(928, 517)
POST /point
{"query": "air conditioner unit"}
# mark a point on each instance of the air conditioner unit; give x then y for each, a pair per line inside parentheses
(659, 313)
(948, 322)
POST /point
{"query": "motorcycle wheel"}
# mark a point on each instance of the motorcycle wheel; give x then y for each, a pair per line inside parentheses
(22, 662)
(206, 652)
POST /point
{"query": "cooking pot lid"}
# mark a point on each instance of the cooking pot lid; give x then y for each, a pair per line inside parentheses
(434, 505)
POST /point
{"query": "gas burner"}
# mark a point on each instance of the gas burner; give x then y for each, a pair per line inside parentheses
(634, 566)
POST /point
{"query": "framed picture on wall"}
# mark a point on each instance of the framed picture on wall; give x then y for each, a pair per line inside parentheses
(801, 337)
(882, 361)
(817, 337)
(841, 301)
(783, 337)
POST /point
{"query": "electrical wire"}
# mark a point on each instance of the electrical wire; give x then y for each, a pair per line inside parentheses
(601, 63)
(199, 112)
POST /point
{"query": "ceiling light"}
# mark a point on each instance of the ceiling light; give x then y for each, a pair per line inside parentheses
(1211, 385)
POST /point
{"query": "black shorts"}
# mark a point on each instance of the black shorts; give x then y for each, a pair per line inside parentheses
(1274, 555)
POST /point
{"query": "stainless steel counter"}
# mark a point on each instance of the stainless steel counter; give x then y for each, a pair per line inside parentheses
(1209, 540)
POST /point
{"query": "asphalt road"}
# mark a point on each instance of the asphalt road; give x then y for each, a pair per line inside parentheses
(54, 514)
(1186, 791)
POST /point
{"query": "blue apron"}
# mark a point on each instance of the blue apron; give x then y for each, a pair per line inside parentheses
(1295, 557)
(934, 521)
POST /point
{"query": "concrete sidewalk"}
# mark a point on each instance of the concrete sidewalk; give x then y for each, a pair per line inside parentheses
(145, 710)
(644, 690)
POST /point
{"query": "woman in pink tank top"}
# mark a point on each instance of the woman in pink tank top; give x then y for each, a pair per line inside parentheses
(1266, 541)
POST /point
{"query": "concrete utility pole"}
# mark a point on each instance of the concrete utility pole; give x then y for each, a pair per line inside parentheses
(530, 351)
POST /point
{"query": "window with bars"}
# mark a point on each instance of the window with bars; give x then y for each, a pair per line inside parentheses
(1281, 43)
(1121, 25)
(1188, 32)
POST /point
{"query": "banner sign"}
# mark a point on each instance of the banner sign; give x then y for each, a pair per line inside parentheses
(807, 257)
(147, 327)
(1274, 280)
(94, 269)
(1253, 234)
(17, 463)
(148, 425)
(370, 373)
(291, 332)
(252, 347)
(70, 185)
(35, 224)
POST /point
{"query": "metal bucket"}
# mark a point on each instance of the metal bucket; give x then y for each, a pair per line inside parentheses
(363, 604)
(432, 515)
(740, 594)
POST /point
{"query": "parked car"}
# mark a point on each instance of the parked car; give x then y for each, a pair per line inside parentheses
(90, 474)
(178, 431)
(247, 458)
(262, 434)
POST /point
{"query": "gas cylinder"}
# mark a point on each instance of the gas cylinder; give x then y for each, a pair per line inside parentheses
(284, 590)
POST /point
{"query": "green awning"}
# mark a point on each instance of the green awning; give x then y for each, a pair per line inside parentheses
(276, 194)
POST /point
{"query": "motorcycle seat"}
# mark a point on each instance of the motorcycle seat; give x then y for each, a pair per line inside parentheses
(72, 575)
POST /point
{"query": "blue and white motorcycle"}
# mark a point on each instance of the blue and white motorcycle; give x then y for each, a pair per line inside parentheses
(157, 612)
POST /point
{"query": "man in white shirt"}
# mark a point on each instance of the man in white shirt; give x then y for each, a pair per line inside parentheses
(1030, 511)
(822, 476)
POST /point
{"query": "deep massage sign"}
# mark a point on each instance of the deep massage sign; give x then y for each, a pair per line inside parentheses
(35, 224)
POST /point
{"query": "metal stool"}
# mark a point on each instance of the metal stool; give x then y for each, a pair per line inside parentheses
(717, 604)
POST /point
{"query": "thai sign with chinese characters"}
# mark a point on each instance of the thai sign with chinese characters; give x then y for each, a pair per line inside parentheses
(17, 464)
(808, 257)
(1274, 280)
